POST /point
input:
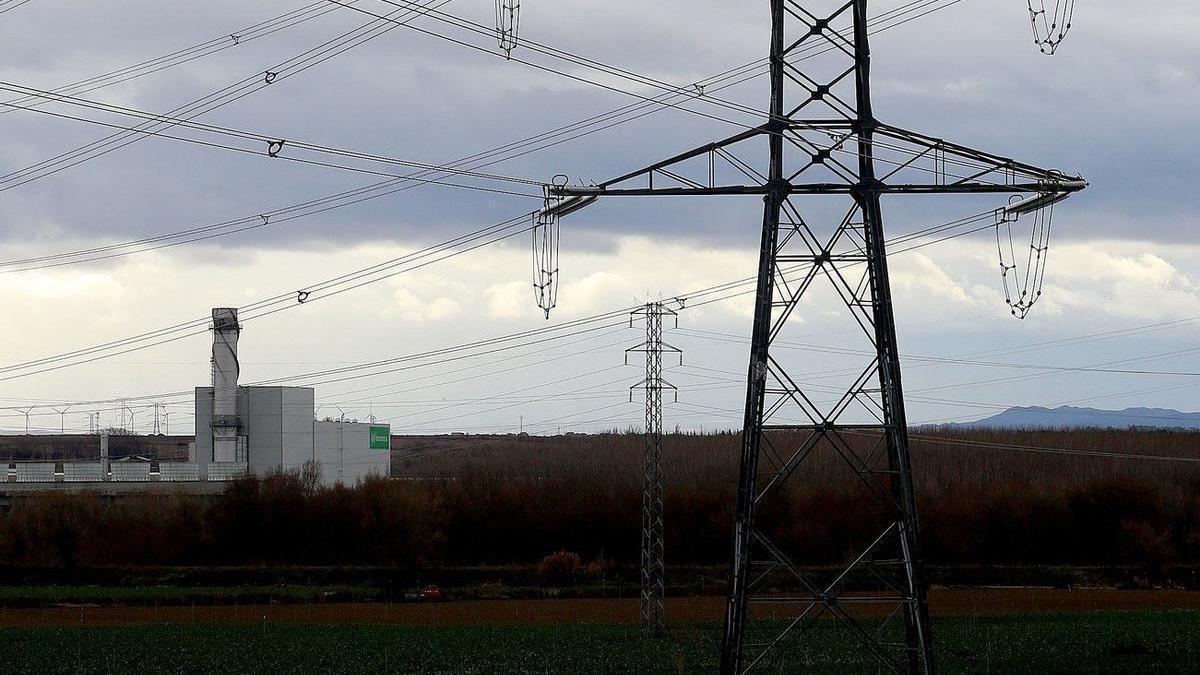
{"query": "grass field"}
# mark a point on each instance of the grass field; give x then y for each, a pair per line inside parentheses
(40, 596)
(1130, 642)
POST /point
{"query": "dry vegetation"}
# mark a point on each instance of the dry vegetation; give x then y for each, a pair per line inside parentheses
(503, 500)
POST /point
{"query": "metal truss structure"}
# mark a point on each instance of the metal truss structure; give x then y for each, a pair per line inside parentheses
(828, 150)
(653, 566)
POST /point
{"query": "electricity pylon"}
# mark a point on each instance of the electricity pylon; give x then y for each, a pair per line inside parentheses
(653, 565)
(824, 139)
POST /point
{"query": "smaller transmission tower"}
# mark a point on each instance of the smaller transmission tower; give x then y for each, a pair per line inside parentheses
(653, 589)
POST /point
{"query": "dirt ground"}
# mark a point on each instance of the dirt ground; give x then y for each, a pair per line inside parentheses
(943, 602)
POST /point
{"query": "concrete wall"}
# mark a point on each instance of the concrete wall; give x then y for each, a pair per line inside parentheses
(130, 471)
(32, 472)
(345, 453)
(204, 440)
(276, 423)
(279, 426)
(298, 410)
(178, 471)
(83, 473)
(261, 412)
(223, 471)
(74, 472)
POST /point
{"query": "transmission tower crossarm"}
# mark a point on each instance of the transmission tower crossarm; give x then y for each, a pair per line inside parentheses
(914, 163)
(822, 189)
(648, 346)
(690, 154)
(966, 152)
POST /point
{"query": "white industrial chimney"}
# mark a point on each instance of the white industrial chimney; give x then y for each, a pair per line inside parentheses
(225, 369)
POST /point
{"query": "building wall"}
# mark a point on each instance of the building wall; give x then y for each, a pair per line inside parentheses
(298, 410)
(277, 423)
(345, 453)
(204, 441)
(261, 411)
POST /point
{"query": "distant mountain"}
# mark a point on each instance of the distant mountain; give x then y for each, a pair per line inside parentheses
(1068, 417)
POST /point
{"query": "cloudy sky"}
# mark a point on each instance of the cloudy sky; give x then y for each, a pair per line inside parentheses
(1115, 105)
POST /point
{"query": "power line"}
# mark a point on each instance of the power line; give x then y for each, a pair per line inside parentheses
(422, 360)
(1097, 368)
(942, 401)
(512, 150)
(328, 288)
(945, 440)
(700, 293)
(835, 145)
(1057, 451)
(969, 404)
(234, 38)
(704, 294)
(199, 326)
(305, 209)
(226, 95)
(539, 353)
(724, 337)
(357, 195)
(10, 5)
(958, 361)
(269, 146)
(575, 59)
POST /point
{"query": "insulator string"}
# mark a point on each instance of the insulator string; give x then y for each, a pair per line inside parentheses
(1050, 28)
(545, 253)
(508, 24)
(1023, 288)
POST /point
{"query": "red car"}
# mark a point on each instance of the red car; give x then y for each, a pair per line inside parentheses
(431, 594)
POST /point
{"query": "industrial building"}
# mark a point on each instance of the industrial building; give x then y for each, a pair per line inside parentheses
(275, 429)
(240, 430)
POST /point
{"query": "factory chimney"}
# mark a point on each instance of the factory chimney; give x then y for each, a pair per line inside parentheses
(225, 423)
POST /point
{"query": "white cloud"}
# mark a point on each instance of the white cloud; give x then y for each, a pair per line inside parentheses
(508, 300)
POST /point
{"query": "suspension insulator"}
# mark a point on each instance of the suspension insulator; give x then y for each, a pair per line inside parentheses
(545, 253)
(1050, 28)
(508, 24)
(1023, 284)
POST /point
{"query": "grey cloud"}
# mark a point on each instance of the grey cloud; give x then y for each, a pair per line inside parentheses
(1102, 107)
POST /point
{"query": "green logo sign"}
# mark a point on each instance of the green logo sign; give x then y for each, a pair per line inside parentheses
(381, 438)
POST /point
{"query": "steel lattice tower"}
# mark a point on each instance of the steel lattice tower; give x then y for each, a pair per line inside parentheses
(825, 149)
(653, 566)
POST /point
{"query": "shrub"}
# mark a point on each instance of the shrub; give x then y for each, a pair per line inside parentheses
(560, 569)
(504, 500)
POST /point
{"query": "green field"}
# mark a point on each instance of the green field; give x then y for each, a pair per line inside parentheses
(1142, 642)
(144, 596)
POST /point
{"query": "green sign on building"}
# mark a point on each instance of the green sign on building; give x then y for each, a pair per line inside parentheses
(381, 438)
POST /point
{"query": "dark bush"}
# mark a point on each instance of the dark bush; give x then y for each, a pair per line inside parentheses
(561, 568)
(511, 500)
